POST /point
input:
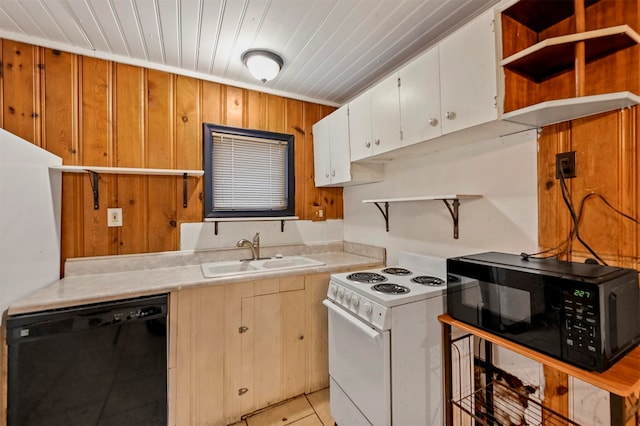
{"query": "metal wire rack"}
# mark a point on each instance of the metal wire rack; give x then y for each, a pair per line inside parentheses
(491, 402)
(507, 408)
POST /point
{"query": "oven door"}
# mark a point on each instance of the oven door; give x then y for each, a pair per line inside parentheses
(360, 366)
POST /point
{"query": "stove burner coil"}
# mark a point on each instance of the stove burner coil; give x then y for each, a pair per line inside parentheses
(367, 277)
(389, 288)
(427, 280)
(397, 271)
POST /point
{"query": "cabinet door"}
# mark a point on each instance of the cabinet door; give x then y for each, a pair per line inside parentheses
(360, 138)
(274, 348)
(340, 152)
(468, 75)
(385, 115)
(316, 287)
(322, 152)
(420, 98)
(199, 356)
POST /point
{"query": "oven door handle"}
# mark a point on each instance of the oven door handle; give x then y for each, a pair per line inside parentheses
(370, 332)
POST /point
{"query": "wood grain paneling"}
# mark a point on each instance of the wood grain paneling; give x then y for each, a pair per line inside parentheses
(95, 112)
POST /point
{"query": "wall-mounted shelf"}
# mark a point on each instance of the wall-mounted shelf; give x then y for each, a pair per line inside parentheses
(560, 110)
(452, 201)
(95, 171)
(282, 220)
(530, 14)
(556, 55)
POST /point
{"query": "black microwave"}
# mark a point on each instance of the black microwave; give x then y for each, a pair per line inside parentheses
(583, 314)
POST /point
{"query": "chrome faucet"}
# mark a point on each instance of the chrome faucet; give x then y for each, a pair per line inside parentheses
(254, 246)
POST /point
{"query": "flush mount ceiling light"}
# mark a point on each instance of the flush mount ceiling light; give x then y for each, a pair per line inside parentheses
(262, 64)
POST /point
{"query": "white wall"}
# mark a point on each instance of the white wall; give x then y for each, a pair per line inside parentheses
(502, 170)
(201, 236)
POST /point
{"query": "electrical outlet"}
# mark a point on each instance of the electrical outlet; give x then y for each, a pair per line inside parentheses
(566, 164)
(114, 217)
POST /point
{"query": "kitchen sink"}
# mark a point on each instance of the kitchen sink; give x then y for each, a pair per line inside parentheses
(241, 267)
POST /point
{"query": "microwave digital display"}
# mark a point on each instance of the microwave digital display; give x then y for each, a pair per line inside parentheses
(583, 294)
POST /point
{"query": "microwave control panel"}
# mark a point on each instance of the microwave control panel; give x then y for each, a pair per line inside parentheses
(580, 327)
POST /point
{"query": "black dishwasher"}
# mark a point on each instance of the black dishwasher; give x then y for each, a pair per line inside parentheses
(101, 364)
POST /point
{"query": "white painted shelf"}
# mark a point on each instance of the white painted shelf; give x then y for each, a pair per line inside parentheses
(556, 111)
(282, 219)
(452, 201)
(127, 170)
(96, 170)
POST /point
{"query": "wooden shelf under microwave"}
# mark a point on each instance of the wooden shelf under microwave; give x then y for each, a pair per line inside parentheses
(622, 379)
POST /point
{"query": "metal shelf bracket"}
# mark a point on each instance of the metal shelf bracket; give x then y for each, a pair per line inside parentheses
(385, 213)
(95, 179)
(453, 211)
(184, 191)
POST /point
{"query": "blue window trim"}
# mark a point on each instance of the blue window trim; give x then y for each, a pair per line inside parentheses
(208, 154)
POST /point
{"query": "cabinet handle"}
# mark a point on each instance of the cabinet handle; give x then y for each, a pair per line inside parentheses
(242, 391)
(242, 329)
(450, 115)
(326, 174)
(301, 337)
(433, 122)
(377, 142)
(333, 173)
(367, 144)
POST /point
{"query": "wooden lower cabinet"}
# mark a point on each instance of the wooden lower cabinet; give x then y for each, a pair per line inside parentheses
(241, 347)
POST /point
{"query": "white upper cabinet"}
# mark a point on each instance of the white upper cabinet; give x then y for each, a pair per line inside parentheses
(420, 99)
(468, 75)
(385, 115)
(340, 153)
(360, 132)
(331, 154)
(374, 120)
(322, 152)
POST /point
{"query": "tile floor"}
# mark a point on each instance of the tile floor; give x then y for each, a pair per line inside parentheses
(305, 410)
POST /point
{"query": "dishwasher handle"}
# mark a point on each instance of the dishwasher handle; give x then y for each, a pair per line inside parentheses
(361, 326)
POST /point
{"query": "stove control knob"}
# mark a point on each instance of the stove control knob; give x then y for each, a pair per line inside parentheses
(355, 301)
(347, 298)
(334, 289)
(340, 293)
(368, 308)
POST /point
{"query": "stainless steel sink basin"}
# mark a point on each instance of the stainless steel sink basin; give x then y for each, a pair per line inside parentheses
(241, 267)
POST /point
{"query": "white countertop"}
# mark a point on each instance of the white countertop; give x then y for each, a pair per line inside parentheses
(92, 280)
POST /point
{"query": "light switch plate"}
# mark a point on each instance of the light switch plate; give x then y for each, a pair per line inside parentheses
(114, 217)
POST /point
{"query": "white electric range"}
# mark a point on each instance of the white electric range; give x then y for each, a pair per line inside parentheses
(385, 345)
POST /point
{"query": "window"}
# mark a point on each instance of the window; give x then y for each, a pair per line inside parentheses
(248, 173)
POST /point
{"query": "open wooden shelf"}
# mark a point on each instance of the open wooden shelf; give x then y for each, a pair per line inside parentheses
(530, 14)
(622, 379)
(127, 170)
(555, 55)
(559, 110)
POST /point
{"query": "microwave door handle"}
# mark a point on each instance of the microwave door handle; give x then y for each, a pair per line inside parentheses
(370, 332)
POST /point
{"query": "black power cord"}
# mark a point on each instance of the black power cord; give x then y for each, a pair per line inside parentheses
(576, 218)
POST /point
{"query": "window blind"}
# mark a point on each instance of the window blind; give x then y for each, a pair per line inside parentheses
(249, 173)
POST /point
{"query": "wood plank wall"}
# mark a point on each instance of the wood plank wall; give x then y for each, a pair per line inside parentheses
(101, 113)
(607, 148)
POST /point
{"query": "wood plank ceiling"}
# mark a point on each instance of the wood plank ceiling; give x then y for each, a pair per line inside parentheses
(332, 49)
